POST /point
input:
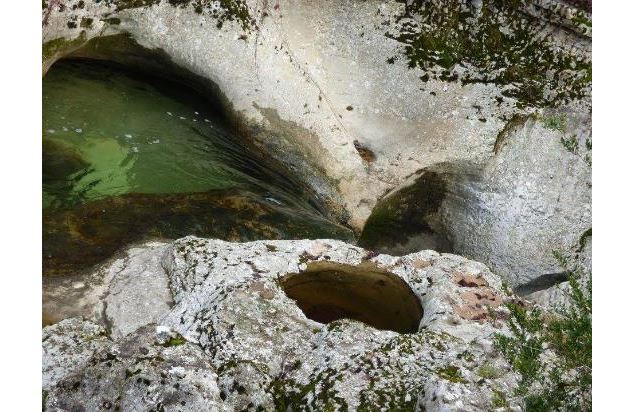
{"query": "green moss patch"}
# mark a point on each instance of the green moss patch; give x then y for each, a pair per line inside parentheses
(555, 122)
(229, 10)
(451, 373)
(175, 341)
(61, 45)
(497, 43)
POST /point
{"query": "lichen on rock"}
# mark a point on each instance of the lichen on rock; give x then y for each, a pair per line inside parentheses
(236, 335)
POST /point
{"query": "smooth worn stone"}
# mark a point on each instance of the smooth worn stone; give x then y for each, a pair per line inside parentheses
(369, 101)
(138, 293)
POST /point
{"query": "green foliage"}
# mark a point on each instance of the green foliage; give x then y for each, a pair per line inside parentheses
(451, 373)
(571, 144)
(556, 122)
(488, 371)
(499, 400)
(175, 341)
(495, 42)
(552, 352)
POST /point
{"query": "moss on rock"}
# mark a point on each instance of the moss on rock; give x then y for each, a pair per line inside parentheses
(497, 42)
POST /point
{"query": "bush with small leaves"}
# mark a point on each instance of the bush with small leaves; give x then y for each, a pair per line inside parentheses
(552, 351)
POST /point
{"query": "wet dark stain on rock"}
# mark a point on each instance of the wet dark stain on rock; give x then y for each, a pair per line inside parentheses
(514, 123)
(364, 152)
(409, 212)
(78, 238)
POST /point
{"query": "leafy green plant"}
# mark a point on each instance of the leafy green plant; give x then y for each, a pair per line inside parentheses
(552, 351)
(175, 341)
(487, 371)
(451, 373)
(555, 122)
(571, 144)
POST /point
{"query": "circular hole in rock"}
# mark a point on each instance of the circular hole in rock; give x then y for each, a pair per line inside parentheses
(328, 291)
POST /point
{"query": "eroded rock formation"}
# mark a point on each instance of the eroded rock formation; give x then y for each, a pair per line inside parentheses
(231, 336)
(362, 99)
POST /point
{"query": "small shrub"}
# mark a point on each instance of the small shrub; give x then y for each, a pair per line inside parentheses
(571, 144)
(556, 122)
(451, 373)
(487, 371)
(552, 352)
(499, 399)
(175, 341)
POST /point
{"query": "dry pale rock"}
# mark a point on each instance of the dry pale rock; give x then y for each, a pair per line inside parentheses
(298, 325)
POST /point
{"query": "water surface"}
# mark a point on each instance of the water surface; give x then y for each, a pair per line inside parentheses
(129, 157)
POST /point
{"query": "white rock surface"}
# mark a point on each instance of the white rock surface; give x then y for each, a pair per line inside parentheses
(138, 293)
(67, 346)
(236, 336)
(124, 293)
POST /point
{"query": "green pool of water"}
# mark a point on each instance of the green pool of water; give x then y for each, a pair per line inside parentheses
(127, 157)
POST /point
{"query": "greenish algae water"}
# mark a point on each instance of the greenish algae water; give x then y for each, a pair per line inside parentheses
(127, 158)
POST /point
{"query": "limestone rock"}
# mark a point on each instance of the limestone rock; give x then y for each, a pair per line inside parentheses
(246, 332)
(139, 373)
(138, 294)
(122, 294)
(362, 98)
(68, 345)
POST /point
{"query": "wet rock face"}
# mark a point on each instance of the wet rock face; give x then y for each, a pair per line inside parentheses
(77, 239)
(531, 199)
(409, 219)
(241, 333)
(362, 98)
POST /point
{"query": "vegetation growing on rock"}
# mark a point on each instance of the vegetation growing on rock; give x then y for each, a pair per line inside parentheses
(496, 42)
(552, 352)
(61, 46)
(222, 10)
